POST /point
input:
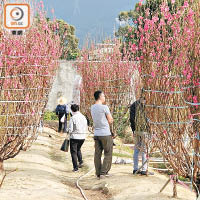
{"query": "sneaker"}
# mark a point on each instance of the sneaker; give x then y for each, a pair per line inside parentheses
(75, 170)
(134, 172)
(144, 173)
(80, 165)
(108, 175)
(150, 173)
(103, 176)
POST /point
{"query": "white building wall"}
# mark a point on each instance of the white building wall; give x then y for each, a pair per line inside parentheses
(63, 84)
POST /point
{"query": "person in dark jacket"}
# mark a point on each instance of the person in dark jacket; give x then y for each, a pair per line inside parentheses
(61, 110)
(139, 127)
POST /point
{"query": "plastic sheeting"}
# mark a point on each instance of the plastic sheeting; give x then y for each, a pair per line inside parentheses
(76, 89)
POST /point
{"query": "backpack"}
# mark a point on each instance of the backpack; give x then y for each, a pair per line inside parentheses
(61, 109)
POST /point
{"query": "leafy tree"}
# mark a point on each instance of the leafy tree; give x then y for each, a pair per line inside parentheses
(69, 41)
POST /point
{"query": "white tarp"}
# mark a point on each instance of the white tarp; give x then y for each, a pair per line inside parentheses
(76, 89)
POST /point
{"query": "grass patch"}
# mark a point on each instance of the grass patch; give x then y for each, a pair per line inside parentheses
(121, 155)
(156, 155)
(184, 179)
(50, 116)
(124, 148)
(159, 165)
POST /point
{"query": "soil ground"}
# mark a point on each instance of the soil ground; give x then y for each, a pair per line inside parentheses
(45, 173)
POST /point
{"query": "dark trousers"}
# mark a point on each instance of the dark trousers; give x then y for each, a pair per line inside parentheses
(62, 124)
(103, 143)
(75, 150)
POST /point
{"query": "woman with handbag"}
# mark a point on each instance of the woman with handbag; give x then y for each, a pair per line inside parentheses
(78, 130)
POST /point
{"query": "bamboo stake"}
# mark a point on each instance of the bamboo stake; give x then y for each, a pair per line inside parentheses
(165, 185)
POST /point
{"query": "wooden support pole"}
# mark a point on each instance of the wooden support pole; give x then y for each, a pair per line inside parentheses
(165, 185)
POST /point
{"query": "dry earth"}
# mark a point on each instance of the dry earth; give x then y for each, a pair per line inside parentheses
(45, 173)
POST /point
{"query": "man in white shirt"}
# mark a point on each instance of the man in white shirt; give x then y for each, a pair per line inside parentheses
(78, 130)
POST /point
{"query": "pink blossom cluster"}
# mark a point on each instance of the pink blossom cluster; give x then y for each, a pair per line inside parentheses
(170, 45)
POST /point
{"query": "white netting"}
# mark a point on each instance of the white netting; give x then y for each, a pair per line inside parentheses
(24, 92)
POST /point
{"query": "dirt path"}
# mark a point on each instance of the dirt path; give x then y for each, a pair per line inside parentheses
(40, 173)
(45, 173)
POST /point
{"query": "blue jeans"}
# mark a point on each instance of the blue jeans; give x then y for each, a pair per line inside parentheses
(139, 147)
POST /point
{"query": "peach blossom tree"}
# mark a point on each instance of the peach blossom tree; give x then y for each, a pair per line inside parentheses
(168, 50)
(27, 66)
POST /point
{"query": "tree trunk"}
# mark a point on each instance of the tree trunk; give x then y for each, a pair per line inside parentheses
(175, 187)
(2, 173)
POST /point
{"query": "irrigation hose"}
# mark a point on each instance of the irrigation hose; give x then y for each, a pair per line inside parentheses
(79, 187)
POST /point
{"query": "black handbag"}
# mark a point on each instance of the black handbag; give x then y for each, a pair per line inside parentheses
(65, 146)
